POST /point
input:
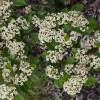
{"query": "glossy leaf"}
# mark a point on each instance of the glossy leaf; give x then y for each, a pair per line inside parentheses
(78, 7)
(61, 81)
(90, 81)
(19, 2)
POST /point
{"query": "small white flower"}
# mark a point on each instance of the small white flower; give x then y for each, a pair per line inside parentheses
(54, 56)
(52, 72)
(14, 46)
(28, 9)
(73, 85)
(7, 92)
(69, 68)
(6, 74)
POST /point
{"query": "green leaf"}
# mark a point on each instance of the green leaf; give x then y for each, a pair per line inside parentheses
(66, 37)
(6, 52)
(29, 17)
(92, 23)
(18, 38)
(70, 60)
(34, 37)
(19, 97)
(30, 30)
(74, 50)
(65, 10)
(67, 28)
(97, 44)
(51, 45)
(44, 54)
(61, 81)
(90, 81)
(78, 7)
(98, 54)
(19, 2)
(88, 31)
(33, 61)
(77, 29)
(9, 66)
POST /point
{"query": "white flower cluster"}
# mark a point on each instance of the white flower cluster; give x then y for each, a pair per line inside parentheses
(22, 23)
(69, 68)
(24, 67)
(3, 62)
(81, 57)
(28, 9)
(5, 11)
(36, 21)
(7, 92)
(95, 63)
(77, 19)
(9, 32)
(14, 28)
(73, 85)
(48, 33)
(88, 42)
(54, 56)
(52, 72)
(50, 29)
(6, 74)
(81, 69)
(17, 72)
(12, 74)
(15, 47)
(78, 69)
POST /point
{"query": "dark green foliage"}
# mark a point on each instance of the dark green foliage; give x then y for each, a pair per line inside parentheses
(29, 16)
(32, 89)
(70, 60)
(90, 81)
(59, 83)
(51, 45)
(19, 2)
(92, 23)
(97, 44)
(67, 28)
(19, 97)
(78, 7)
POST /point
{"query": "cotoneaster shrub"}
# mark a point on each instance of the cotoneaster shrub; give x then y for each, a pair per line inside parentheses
(70, 46)
(15, 68)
